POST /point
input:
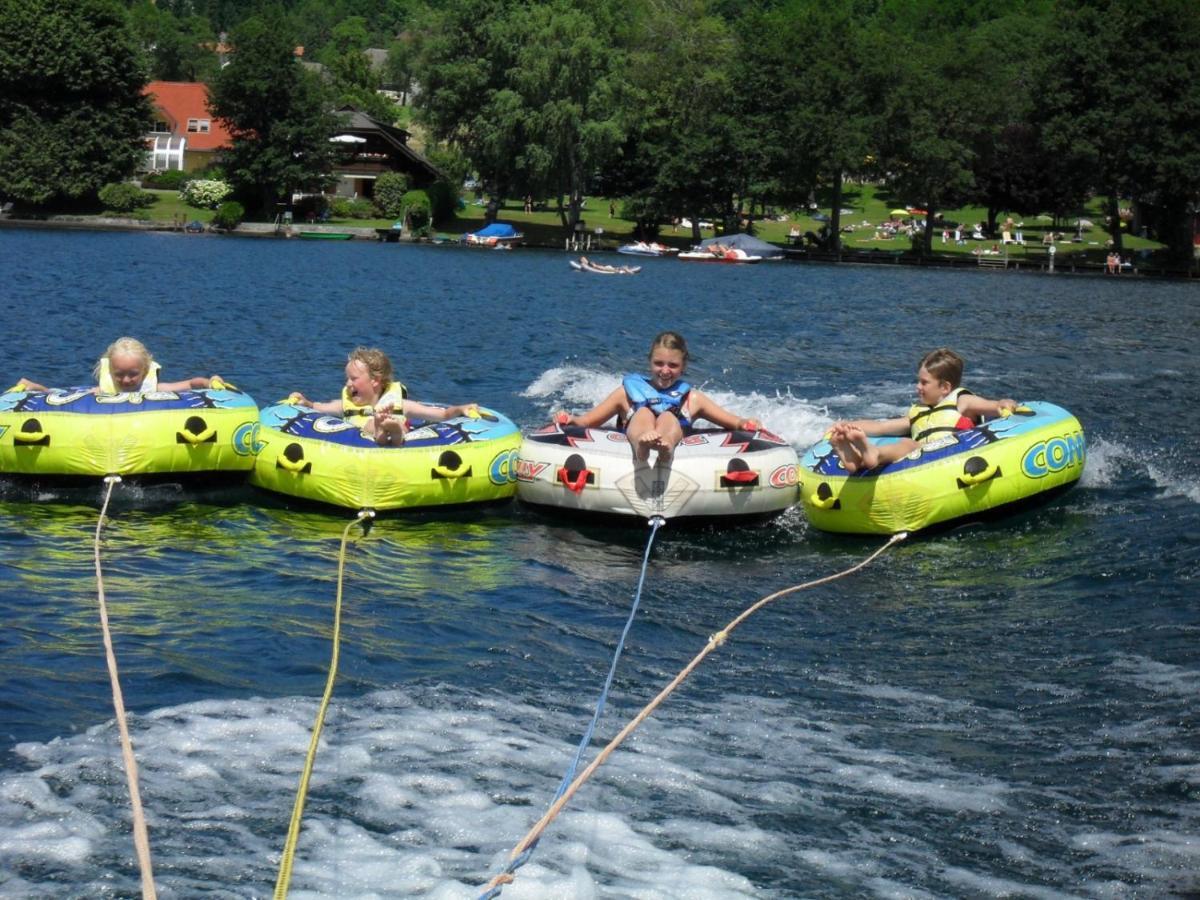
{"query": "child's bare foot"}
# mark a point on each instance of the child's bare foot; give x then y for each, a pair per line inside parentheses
(389, 429)
(867, 453)
(847, 452)
(645, 443)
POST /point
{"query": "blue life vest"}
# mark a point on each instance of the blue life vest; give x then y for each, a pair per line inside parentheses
(642, 393)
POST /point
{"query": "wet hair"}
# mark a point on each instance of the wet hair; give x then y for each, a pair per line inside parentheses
(671, 340)
(944, 365)
(125, 346)
(379, 367)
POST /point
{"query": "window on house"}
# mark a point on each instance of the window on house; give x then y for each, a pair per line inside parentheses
(161, 127)
(199, 126)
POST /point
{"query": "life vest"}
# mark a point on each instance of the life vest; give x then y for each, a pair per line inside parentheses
(642, 394)
(927, 421)
(394, 394)
(108, 386)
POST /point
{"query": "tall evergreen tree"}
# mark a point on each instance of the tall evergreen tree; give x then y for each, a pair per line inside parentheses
(72, 114)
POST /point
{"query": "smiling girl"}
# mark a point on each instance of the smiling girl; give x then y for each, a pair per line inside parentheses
(375, 402)
(655, 409)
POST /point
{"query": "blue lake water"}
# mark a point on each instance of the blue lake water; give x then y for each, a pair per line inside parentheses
(999, 711)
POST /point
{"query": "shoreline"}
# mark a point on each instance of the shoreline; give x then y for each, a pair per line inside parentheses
(1063, 266)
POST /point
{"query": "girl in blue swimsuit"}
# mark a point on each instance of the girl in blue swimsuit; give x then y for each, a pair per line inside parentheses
(657, 408)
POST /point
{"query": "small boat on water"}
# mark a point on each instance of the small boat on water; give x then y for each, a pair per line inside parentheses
(642, 248)
(583, 264)
(325, 235)
(495, 235)
(1000, 465)
(735, 257)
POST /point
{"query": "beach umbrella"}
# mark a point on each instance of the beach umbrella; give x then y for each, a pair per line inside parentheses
(902, 213)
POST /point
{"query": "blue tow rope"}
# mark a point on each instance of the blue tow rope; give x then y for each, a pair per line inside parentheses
(655, 522)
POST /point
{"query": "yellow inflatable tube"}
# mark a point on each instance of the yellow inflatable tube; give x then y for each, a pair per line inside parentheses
(1036, 452)
(325, 459)
(77, 432)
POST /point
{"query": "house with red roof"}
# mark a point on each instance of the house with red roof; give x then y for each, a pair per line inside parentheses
(185, 135)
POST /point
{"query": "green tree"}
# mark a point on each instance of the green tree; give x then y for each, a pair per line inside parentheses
(934, 111)
(355, 82)
(72, 114)
(279, 117)
(687, 109)
(528, 92)
(821, 78)
(1012, 171)
(1122, 103)
(178, 49)
(461, 66)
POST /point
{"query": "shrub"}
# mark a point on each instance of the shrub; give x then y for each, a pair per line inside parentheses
(345, 208)
(205, 193)
(315, 205)
(390, 188)
(443, 199)
(170, 180)
(123, 197)
(418, 209)
(229, 215)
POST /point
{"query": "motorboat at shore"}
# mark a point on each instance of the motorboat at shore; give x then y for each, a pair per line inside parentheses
(642, 248)
(731, 256)
(498, 234)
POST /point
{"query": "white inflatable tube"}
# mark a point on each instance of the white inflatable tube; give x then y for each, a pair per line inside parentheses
(714, 474)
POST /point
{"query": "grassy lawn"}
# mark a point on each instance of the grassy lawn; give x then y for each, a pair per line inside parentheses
(169, 207)
(864, 207)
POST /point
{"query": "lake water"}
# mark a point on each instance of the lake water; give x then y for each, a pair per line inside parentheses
(999, 711)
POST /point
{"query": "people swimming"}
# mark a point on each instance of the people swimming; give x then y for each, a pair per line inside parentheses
(378, 404)
(656, 409)
(128, 367)
(944, 406)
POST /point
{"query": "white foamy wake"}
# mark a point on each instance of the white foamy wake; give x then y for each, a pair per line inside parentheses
(1110, 461)
(421, 793)
(577, 388)
(1104, 461)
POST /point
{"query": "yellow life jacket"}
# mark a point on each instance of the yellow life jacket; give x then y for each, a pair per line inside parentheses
(930, 421)
(394, 393)
(108, 386)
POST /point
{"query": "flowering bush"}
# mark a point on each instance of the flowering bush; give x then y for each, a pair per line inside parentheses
(205, 194)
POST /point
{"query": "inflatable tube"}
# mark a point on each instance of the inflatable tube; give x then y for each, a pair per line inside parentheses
(714, 474)
(1031, 454)
(604, 269)
(76, 432)
(325, 459)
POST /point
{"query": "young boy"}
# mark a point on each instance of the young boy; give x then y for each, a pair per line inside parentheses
(944, 406)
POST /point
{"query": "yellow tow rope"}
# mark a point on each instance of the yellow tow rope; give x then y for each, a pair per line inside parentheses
(289, 849)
